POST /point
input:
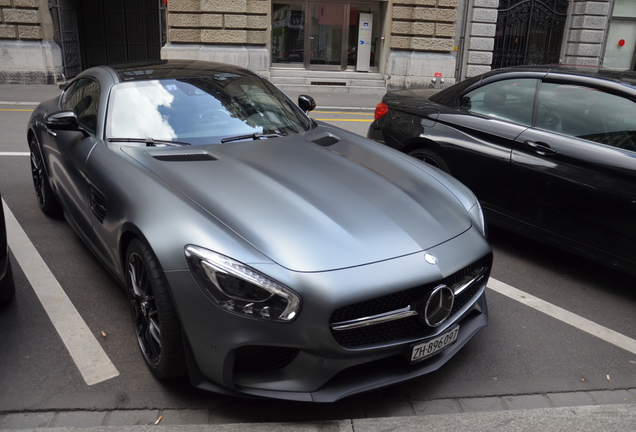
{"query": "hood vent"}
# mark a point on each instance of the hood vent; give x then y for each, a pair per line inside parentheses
(326, 141)
(185, 157)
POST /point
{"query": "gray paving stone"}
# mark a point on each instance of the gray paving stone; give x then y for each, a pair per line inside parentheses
(526, 402)
(434, 407)
(185, 417)
(131, 417)
(609, 397)
(570, 399)
(25, 420)
(390, 409)
(481, 404)
(78, 419)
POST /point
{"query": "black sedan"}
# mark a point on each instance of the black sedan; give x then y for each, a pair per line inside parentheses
(549, 151)
(7, 288)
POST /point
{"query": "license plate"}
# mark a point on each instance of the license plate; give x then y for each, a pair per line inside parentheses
(433, 346)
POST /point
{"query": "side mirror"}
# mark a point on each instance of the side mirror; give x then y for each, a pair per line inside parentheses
(306, 103)
(64, 121)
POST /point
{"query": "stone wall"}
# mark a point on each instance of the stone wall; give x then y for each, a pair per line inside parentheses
(421, 42)
(27, 55)
(585, 36)
(230, 31)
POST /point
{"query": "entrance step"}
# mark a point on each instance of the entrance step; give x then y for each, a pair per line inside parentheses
(308, 81)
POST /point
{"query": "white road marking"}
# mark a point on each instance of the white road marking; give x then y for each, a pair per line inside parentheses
(86, 352)
(565, 316)
(14, 153)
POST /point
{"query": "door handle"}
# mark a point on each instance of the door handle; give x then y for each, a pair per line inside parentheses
(540, 148)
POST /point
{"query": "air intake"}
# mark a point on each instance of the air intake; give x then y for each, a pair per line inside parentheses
(185, 157)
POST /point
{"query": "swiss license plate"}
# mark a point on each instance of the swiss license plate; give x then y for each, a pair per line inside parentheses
(433, 346)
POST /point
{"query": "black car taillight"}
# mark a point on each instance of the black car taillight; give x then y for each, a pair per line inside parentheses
(380, 110)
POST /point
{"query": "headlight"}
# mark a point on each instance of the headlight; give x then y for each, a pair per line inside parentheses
(239, 288)
(477, 215)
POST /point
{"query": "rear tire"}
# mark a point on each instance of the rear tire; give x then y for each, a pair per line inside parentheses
(44, 193)
(431, 158)
(155, 319)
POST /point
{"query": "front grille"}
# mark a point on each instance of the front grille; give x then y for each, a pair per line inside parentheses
(262, 358)
(402, 329)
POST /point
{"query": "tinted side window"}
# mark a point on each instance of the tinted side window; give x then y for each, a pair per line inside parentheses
(510, 100)
(587, 113)
(83, 99)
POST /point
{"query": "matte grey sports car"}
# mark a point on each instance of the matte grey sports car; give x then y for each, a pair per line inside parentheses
(263, 253)
(7, 286)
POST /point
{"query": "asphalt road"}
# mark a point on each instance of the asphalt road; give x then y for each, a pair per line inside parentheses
(570, 329)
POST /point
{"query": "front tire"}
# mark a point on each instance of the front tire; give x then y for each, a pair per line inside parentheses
(155, 319)
(431, 158)
(44, 193)
(7, 285)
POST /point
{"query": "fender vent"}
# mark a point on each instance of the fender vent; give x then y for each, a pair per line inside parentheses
(185, 157)
(99, 204)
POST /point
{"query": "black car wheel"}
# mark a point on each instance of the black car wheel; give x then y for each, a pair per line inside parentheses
(7, 286)
(46, 199)
(431, 158)
(154, 317)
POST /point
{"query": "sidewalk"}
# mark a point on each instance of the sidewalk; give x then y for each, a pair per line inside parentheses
(606, 418)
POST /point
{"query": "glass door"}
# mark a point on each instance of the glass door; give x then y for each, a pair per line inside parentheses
(326, 36)
(288, 34)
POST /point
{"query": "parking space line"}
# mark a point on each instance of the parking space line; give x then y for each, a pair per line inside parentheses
(565, 316)
(14, 153)
(85, 350)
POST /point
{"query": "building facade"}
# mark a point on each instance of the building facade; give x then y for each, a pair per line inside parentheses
(348, 45)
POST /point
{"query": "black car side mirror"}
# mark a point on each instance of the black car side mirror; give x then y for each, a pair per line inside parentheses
(306, 103)
(64, 121)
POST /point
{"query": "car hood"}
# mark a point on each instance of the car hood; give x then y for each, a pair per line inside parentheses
(310, 207)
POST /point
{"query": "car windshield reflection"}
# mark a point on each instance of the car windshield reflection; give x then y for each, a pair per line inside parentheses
(201, 110)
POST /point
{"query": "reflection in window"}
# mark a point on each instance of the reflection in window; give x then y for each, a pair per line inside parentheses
(588, 113)
(201, 110)
(510, 100)
(136, 112)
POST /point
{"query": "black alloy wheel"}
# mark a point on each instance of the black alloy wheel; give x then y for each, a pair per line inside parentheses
(7, 286)
(431, 158)
(46, 199)
(155, 320)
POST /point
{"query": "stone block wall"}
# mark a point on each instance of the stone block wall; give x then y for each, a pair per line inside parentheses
(585, 36)
(218, 21)
(230, 31)
(424, 25)
(27, 54)
(20, 20)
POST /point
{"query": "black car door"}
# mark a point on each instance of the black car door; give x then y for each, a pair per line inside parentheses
(67, 152)
(576, 168)
(481, 135)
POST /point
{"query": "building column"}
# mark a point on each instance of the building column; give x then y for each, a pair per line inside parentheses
(481, 37)
(586, 32)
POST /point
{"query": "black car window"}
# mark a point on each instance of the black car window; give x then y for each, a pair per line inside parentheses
(587, 113)
(510, 100)
(83, 99)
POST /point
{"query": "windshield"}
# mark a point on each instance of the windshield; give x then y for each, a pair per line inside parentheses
(201, 110)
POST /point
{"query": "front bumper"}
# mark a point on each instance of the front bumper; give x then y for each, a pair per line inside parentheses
(302, 360)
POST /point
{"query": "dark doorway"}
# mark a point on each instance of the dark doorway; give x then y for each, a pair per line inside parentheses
(115, 31)
(529, 32)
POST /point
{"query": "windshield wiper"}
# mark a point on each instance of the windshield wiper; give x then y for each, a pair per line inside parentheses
(254, 136)
(150, 142)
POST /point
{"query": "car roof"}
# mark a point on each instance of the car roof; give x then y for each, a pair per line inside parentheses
(177, 69)
(623, 76)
